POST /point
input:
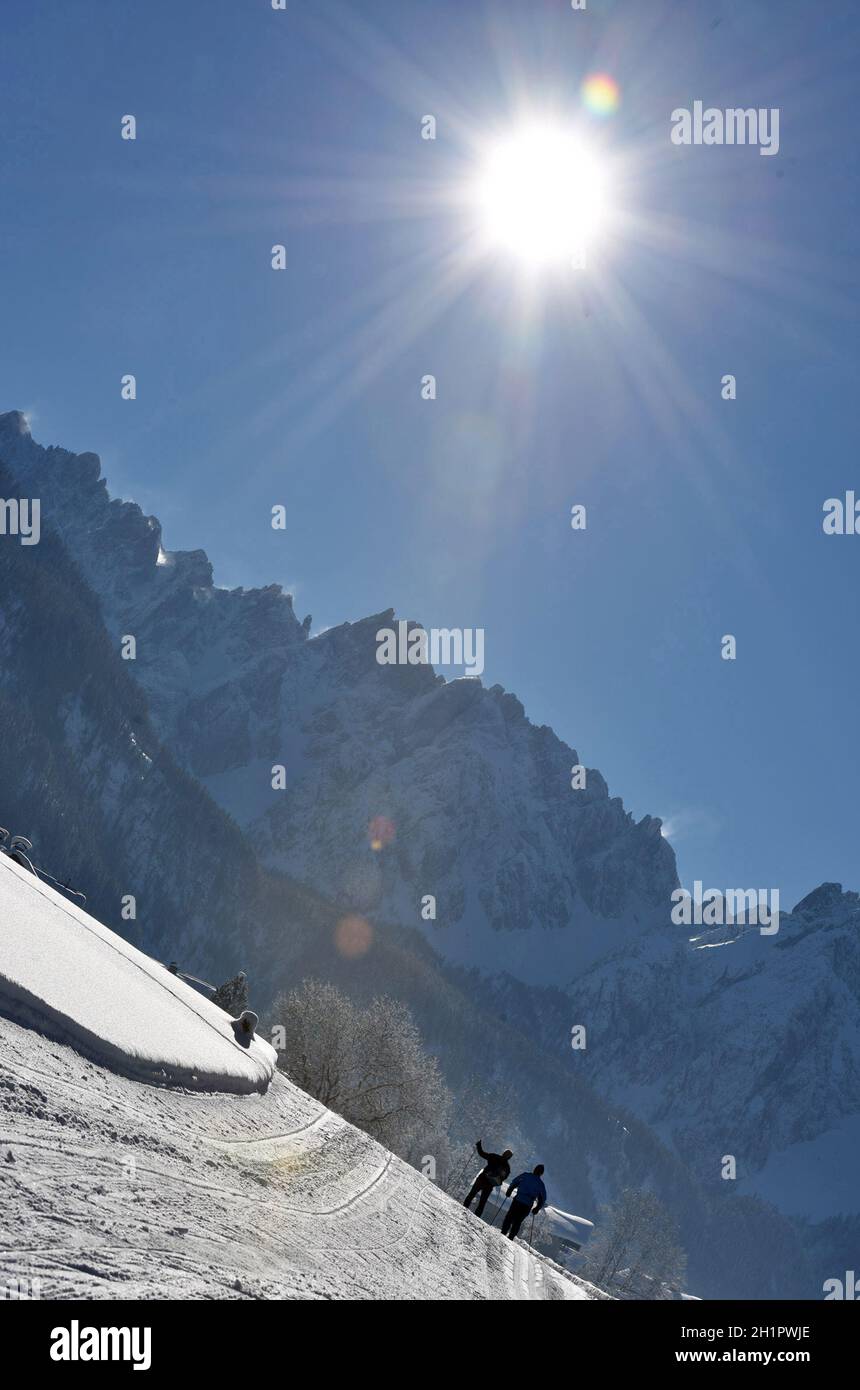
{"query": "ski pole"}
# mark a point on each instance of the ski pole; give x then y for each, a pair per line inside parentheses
(470, 1160)
(498, 1209)
(531, 1230)
(469, 1157)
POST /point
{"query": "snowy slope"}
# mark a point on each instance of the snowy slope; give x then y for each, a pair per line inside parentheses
(61, 967)
(121, 1190)
(111, 1187)
(565, 1226)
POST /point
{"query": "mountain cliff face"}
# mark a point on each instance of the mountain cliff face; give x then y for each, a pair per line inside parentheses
(84, 773)
(529, 875)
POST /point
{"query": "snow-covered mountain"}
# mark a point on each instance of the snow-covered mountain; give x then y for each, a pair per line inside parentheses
(734, 1042)
(84, 772)
(552, 905)
(479, 800)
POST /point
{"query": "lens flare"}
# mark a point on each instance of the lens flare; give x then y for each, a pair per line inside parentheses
(601, 94)
(380, 832)
(353, 936)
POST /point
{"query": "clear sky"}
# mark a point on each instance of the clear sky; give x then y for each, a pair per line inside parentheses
(599, 386)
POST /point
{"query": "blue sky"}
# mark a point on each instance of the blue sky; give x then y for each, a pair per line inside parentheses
(599, 387)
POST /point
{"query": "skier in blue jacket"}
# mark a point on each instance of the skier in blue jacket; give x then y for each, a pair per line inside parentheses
(528, 1187)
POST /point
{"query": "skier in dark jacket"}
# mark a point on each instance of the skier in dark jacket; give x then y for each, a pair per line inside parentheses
(528, 1187)
(496, 1172)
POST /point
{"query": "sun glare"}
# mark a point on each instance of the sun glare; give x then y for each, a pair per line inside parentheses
(541, 195)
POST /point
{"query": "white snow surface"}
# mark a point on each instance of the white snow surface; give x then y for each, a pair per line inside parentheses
(115, 1187)
(86, 985)
(567, 1226)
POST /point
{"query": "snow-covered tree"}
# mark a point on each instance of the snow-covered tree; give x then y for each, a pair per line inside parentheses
(635, 1251)
(369, 1064)
(232, 996)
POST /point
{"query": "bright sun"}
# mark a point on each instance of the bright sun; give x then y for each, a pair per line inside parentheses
(541, 195)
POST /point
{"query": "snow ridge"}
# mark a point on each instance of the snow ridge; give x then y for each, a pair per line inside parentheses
(63, 971)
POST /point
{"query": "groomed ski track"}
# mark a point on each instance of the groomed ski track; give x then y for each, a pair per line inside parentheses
(112, 1187)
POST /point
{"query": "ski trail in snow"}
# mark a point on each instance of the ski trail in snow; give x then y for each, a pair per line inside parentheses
(521, 1266)
(356, 1196)
(253, 1147)
(262, 1149)
(521, 1272)
(164, 1176)
(213, 1195)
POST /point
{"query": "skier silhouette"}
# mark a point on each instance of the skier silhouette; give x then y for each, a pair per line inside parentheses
(496, 1172)
(527, 1186)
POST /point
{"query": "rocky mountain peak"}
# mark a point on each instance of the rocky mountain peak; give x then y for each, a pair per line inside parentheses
(826, 897)
(480, 801)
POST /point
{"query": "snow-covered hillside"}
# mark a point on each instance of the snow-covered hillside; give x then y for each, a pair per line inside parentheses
(111, 1187)
(60, 966)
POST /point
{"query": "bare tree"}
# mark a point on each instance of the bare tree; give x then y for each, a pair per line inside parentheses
(368, 1064)
(635, 1251)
